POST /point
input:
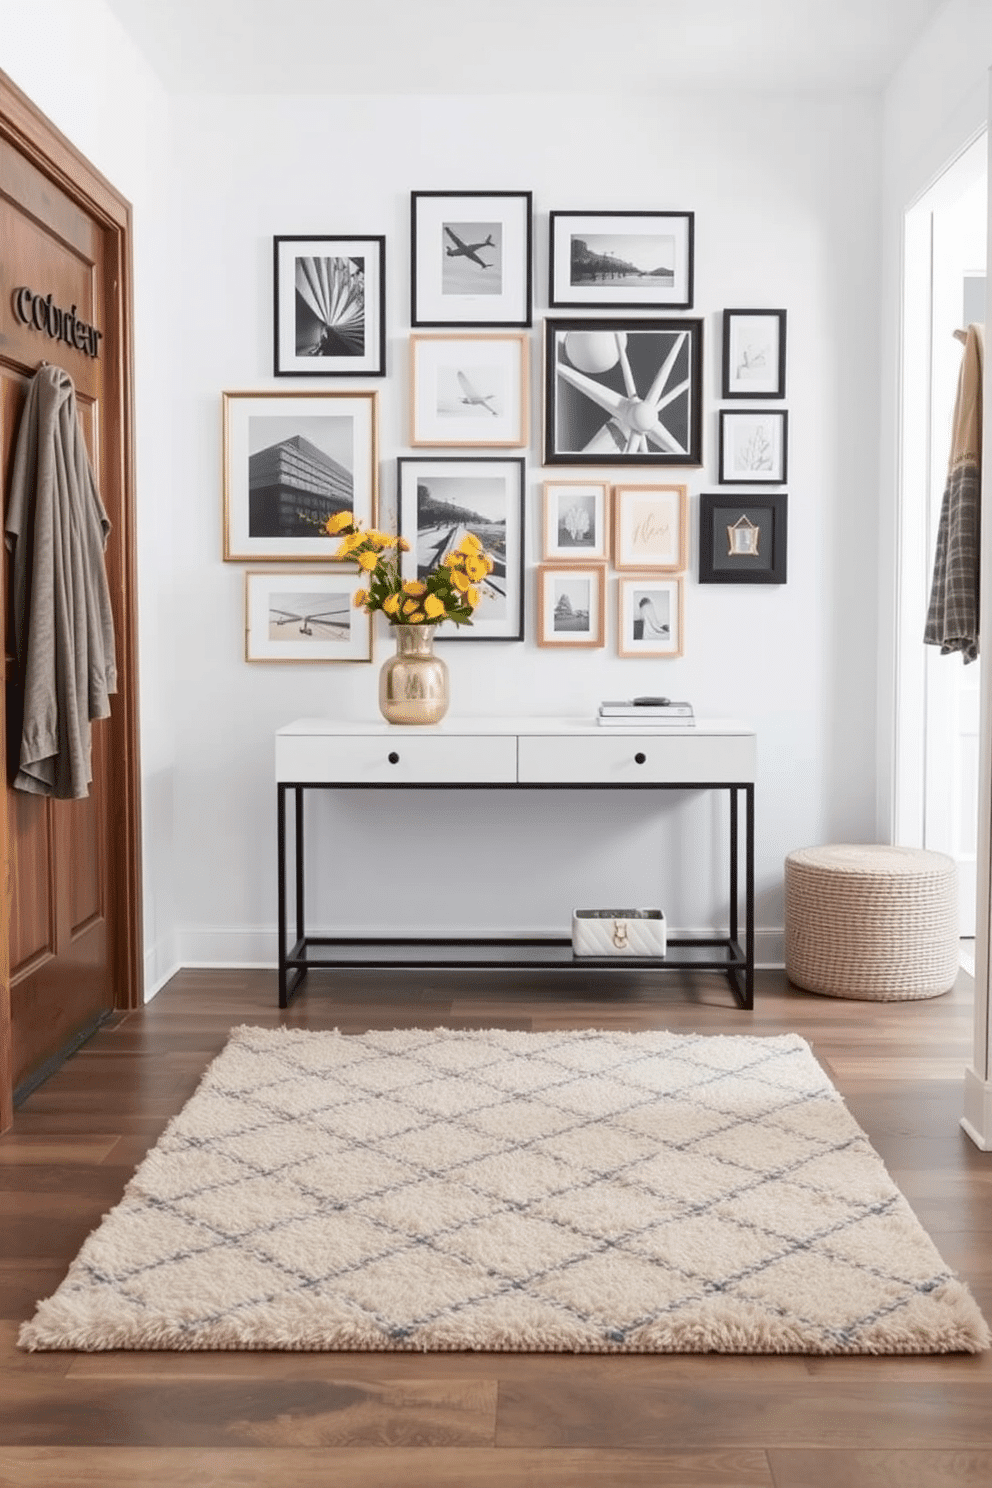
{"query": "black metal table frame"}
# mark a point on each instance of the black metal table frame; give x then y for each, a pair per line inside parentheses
(307, 952)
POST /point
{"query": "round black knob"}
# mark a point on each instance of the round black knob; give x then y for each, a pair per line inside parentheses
(639, 758)
(394, 758)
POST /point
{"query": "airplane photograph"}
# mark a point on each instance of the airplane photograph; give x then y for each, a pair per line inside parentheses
(473, 258)
(468, 250)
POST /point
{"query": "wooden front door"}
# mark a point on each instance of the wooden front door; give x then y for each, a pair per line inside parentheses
(73, 938)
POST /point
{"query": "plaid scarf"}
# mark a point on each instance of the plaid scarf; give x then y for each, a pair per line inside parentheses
(952, 616)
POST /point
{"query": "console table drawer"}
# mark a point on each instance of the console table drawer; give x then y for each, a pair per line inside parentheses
(690, 759)
(413, 759)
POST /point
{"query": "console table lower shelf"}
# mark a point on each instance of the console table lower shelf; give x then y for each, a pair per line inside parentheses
(508, 953)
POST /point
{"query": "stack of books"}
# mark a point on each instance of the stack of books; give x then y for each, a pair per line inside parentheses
(647, 713)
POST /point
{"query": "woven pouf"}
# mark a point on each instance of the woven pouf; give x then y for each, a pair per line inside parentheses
(872, 922)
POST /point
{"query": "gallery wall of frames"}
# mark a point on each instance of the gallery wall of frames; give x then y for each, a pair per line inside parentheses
(625, 366)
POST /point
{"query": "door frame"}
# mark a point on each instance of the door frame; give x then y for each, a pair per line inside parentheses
(915, 460)
(27, 130)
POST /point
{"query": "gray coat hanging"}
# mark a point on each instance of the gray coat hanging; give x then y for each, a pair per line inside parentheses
(57, 530)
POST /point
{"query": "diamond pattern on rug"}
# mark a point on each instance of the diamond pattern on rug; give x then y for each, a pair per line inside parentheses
(442, 1189)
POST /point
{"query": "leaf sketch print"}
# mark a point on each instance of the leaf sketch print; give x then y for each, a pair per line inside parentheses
(755, 451)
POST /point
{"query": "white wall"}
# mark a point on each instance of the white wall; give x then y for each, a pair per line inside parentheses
(786, 195)
(76, 64)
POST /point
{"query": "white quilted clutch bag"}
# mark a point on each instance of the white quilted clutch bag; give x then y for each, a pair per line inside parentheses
(618, 932)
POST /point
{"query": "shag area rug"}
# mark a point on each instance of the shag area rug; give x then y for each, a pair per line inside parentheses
(586, 1191)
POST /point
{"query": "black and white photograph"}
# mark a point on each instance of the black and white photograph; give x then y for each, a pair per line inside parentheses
(441, 501)
(621, 260)
(753, 447)
(650, 617)
(305, 617)
(329, 307)
(754, 353)
(471, 260)
(743, 540)
(623, 392)
(571, 604)
(469, 389)
(576, 521)
(290, 462)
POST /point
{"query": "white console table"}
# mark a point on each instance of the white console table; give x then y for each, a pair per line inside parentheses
(514, 754)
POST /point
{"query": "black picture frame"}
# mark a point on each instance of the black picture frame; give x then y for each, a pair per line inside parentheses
(753, 354)
(754, 447)
(329, 305)
(757, 554)
(621, 260)
(483, 495)
(599, 376)
(471, 258)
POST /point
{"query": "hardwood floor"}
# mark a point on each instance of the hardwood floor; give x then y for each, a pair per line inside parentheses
(215, 1420)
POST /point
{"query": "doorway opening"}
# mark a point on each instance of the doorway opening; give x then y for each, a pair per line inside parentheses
(937, 735)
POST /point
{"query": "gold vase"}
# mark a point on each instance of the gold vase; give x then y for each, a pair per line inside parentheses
(413, 684)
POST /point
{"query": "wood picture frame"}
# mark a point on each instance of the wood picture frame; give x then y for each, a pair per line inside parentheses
(469, 389)
(291, 460)
(305, 617)
(576, 521)
(650, 616)
(571, 605)
(650, 528)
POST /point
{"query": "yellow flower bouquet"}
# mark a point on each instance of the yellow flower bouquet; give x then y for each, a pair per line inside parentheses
(451, 591)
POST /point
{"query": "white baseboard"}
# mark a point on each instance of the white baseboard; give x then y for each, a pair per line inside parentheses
(977, 1118)
(160, 964)
(241, 948)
